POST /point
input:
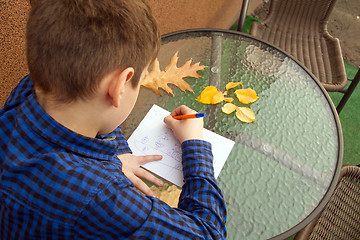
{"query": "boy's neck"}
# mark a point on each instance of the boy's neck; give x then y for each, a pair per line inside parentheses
(79, 116)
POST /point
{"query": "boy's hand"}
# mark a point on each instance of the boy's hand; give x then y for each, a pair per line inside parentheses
(131, 168)
(185, 129)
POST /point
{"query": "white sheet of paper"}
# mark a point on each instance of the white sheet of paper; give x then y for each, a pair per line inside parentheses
(152, 136)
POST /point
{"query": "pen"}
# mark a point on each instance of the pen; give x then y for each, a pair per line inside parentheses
(189, 116)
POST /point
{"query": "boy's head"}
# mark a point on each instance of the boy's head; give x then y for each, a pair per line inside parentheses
(73, 44)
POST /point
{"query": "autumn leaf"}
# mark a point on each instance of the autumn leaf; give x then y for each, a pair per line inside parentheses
(228, 108)
(153, 79)
(246, 96)
(168, 194)
(207, 95)
(228, 99)
(231, 85)
(211, 95)
(156, 78)
(245, 114)
(218, 98)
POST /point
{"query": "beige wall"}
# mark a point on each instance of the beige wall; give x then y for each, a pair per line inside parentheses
(179, 15)
(13, 66)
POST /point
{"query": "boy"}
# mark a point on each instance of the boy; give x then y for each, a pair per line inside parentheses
(66, 169)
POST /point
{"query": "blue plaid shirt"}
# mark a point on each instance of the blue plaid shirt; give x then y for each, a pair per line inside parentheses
(57, 184)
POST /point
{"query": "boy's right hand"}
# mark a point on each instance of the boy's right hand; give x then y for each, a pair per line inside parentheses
(185, 129)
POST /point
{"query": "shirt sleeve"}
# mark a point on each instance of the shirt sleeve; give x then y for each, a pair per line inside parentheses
(120, 211)
(18, 94)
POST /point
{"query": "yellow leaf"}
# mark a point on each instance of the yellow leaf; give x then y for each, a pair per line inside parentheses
(228, 108)
(156, 78)
(245, 114)
(246, 96)
(168, 194)
(228, 99)
(207, 95)
(231, 85)
(218, 98)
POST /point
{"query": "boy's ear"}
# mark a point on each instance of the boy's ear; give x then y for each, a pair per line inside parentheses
(117, 84)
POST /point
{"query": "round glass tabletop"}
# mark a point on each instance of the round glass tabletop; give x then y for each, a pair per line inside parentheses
(284, 166)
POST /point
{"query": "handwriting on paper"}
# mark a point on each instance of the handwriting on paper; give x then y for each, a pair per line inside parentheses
(152, 136)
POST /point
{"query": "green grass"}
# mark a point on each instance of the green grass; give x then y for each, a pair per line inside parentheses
(350, 121)
(248, 21)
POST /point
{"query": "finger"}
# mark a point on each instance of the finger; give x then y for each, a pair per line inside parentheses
(139, 184)
(143, 174)
(168, 120)
(176, 111)
(181, 110)
(149, 158)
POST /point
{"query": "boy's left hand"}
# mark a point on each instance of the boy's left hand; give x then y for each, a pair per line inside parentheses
(131, 168)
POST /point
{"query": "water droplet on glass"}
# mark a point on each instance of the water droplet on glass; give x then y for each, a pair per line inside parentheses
(215, 70)
(267, 148)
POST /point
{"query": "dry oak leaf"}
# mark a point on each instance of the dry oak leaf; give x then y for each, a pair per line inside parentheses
(156, 78)
(246, 96)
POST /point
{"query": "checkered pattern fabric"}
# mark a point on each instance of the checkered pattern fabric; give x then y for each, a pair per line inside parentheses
(57, 184)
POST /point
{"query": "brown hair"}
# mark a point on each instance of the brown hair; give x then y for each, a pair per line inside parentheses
(73, 44)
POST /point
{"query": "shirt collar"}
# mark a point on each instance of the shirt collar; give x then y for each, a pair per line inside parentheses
(34, 116)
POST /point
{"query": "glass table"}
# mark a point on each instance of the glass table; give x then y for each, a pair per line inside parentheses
(284, 166)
